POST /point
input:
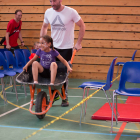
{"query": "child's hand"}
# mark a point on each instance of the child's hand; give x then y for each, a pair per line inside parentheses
(25, 68)
(69, 69)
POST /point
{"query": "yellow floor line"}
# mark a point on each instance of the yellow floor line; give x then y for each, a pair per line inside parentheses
(92, 124)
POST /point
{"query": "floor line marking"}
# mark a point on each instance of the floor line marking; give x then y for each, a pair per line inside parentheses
(138, 126)
(73, 96)
(92, 124)
(13, 110)
(119, 133)
(29, 128)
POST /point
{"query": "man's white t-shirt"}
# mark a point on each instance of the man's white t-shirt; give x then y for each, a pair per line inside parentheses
(62, 26)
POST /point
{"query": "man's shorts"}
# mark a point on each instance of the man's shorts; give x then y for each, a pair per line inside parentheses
(65, 53)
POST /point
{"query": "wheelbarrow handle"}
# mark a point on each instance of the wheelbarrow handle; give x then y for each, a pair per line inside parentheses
(74, 52)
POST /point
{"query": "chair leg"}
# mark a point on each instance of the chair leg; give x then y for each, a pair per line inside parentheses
(6, 80)
(11, 83)
(112, 114)
(25, 90)
(114, 94)
(3, 91)
(15, 87)
(82, 106)
(114, 106)
(86, 103)
(116, 111)
(109, 103)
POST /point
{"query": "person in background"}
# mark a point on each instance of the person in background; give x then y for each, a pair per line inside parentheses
(62, 20)
(13, 32)
(36, 45)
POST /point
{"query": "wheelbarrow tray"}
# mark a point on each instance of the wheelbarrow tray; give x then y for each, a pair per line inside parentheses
(43, 83)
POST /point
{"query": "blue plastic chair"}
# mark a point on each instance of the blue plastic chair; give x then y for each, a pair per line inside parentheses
(6, 71)
(19, 59)
(33, 50)
(12, 62)
(98, 85)
(2, 51)
(20, 50)
(26, 54)
(130, 73)
(122, 63)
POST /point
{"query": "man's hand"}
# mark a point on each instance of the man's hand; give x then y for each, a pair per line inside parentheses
(8, 47)
(78, 47)
(69, 69)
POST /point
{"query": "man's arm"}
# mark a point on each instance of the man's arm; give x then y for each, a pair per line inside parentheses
(7, 40)
(44, 29)
(21, 40)
(81, 24)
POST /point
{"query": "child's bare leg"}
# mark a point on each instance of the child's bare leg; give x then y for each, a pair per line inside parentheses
(36, 68)
(53, 69)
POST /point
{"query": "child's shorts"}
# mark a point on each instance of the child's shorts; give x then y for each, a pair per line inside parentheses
(45, 73)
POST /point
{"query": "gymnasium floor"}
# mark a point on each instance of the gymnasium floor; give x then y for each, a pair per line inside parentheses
(18, 124)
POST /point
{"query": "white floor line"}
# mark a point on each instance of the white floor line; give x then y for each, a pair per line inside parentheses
(15, 93)
(94, 97)
(13, 110)
(71, 96)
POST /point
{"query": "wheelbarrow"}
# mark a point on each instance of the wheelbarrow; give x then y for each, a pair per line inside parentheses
(42, 104)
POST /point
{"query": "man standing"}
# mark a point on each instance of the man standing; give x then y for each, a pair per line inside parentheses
(62, 20)
(14, 32)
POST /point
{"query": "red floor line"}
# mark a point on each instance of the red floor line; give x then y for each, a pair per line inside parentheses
(120, 131)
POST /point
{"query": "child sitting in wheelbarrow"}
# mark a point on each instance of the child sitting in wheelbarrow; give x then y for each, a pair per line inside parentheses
(47, 66)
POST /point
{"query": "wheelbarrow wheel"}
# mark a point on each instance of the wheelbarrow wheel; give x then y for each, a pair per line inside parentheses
(40, 104)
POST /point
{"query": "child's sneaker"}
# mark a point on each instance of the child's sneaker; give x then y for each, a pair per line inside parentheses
(56, 97)
(65, 103)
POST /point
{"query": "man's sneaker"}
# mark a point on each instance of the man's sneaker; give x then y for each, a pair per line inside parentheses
(65, 103)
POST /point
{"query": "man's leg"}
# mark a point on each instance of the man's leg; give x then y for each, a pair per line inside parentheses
(66, 54)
